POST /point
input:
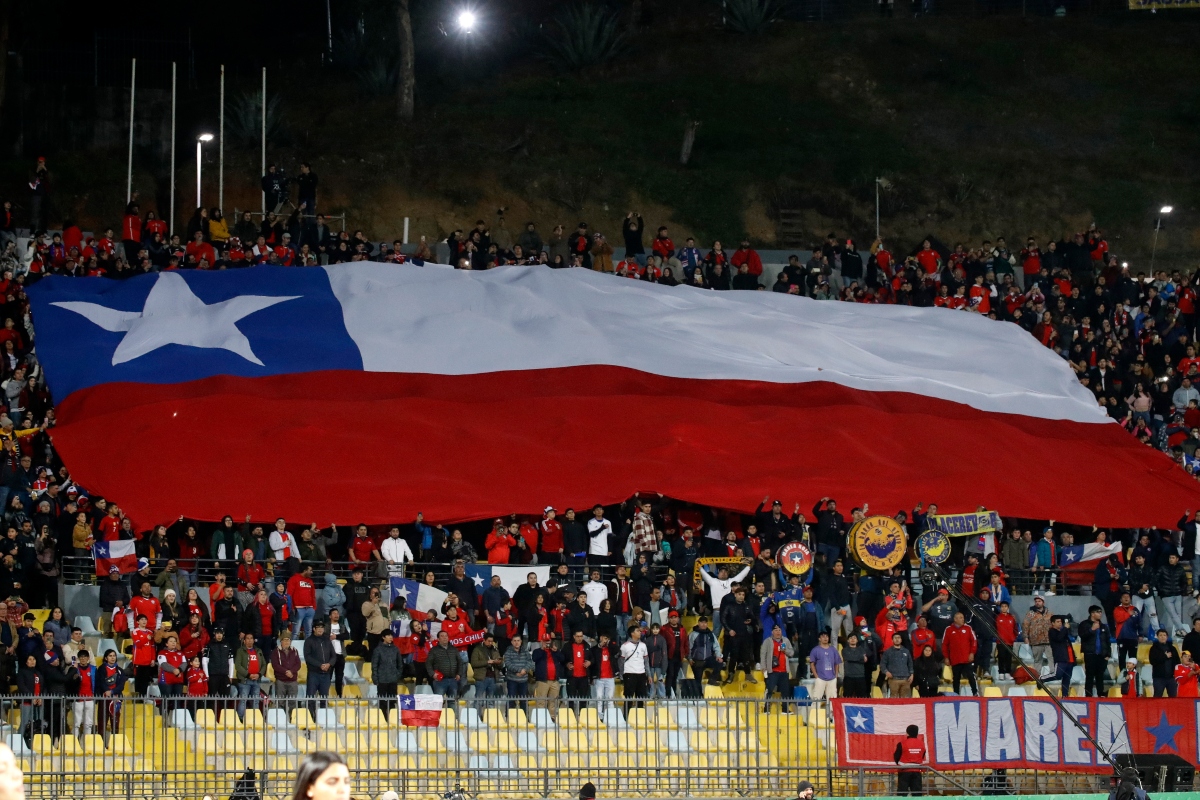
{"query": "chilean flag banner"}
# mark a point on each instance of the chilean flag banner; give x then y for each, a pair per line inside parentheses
(418, 597)
(368, 392)
(1085, 556)
(1016, 732)
(511, 578)
(420, 709)
(119, 554)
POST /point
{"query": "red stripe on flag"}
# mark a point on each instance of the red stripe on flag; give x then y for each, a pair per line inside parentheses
(586, 434)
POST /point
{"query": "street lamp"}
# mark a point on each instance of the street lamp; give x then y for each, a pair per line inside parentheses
(1162, 212)
(201, 140)
(466, 20)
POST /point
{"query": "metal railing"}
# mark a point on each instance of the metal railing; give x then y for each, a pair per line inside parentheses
(519, 747)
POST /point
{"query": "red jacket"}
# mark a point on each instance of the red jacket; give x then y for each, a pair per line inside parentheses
(959, 645)
(197, 251)
(456, 629)
(922, 637)
(663, 247)
(552, 536)
(499, 547)
(1006, 626)
(303, 591)
(144, 651)
(131, 228)
(749, 257)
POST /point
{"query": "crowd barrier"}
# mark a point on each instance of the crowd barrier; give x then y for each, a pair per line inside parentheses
(510, 747)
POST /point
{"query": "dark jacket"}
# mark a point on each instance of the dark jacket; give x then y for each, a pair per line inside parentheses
(614, 654)
(285, 659)
(218, 655)
(318, 650)
(112, 594)
(575, 537)
(385, 665)
(444, 660)
(579, 619)
(831, 526)
(1163, 658)
(540, 656)
(1060, 645)
(464, 587)
(1171, 581)
(1094, 638)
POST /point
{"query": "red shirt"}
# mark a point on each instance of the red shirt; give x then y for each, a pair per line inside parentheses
(143, 647)
(253, 668)
(748, 257)
(928, 259)
(189, 551)
(85, 681)
(250, 574)
(131, 228)
(363, 548)
(551, 667)
(922, 637)
(197, 682)
(110, 529)
(606, 670)
(199, 250)
(1185, 679)
(149, 606)
(172, 658)
(267, 614)
(303, 592)
(552, 536)
(959, 645)
(577, 655)
(778, 657)
(1006, 626)
(456, 629)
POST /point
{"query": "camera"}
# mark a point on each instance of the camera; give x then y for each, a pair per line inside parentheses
(456, 793)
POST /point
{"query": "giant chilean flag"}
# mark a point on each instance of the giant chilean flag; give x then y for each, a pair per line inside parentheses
(369, 392)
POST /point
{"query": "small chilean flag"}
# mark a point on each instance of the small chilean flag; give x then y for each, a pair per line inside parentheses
(420, 709)
(120, 556)
(872, 731)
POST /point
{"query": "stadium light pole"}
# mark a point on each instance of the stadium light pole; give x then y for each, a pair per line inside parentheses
(201, 140)
(1162, 212)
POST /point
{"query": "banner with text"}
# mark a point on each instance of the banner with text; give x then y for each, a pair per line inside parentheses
(1154, 5)
(968, 524)
(1015, 732)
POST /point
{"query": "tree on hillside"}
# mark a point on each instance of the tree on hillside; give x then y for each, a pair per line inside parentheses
(407, 80)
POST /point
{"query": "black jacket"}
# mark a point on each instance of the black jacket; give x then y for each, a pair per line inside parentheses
(356, 595)
(112, 594)
(1171, 581)
(831, 526)
(219, 655)
(575, 537)
(1060, 645)
(774, 531)
(464, 587)
(1163, 658)
(579, 619)
(614, 654)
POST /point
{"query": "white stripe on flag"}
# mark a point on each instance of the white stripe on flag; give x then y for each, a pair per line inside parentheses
(511, 578)
(427, 702)
(429, 599)
(408, 319)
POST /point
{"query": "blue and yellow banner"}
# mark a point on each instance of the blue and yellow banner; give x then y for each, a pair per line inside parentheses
(968, 524)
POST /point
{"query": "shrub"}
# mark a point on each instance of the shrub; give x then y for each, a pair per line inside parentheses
(751, 16)
(586, 35)
(243, 118)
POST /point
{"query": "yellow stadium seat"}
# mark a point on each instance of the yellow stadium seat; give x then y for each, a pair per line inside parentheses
(205, 718)
(255, 741)
(517, 718)
(329, 740)
(566, 718)
(638, 719)
(663, 719)
(494, 717)
(254, 719)
(700, 742)
(817, 717)
(303, 720)
(711, 691)
(93, 744)
(603, 743)
(992, 691)
(588, 718)
(43, 745)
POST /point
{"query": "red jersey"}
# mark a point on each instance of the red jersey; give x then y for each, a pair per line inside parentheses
(456, 629)
(146, 605)
(576, 655)
(143, 647)
(110, 529)
(929, 261)
(1186, 679)
(922, 637)
(174, 659)
(131, 228)
(302, 591)
(959, 645)
(606, 668)
(197, 683)
(363, 548)
(249, 574)
(551, 536)
(1006, 627)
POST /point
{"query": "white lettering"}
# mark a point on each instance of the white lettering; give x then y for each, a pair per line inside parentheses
(1041, 731)
(1111, 732)
(958, 732)
(1003, 740)
(1076, 747)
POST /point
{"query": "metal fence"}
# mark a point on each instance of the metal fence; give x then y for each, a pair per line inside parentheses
(188, 748)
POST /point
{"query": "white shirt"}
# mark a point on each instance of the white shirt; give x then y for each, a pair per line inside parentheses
(284, 545)
(396, 551)
(635, 657)
(335, 630)
(597, 593)
(599, 530)
(719, 588)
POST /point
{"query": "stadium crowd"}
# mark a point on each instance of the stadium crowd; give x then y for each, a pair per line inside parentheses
(236, 608)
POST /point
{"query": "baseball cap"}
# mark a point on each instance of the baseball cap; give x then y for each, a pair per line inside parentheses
(548, 509)
(673, 613)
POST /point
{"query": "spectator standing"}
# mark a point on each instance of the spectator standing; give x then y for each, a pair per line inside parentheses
(577, 667)
(1163, 660)
(604, 673)
(927, 669)
(319, 656)
(218, 664)
(306, 188)
(486, 663)
(1171, 586)
(1095, 641)
(1187, 671)
(632, 229)
(302, 590)
(897, 665)
(856, 658)
(285, 664)
(518, 669)
(959, 647)
(599, 531)
(825, 661)
(386, 672)
(1036, 626)
(749, 257)
(250, 667)
(396, 552)
(773, 655)
(1062, 652)
(635, 668)
(444, 666)
(274, 189)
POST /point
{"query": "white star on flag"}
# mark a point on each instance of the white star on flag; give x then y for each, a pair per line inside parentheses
(478, 580)
(173, 314)
(1070, 556)
(859, 720)
(403, 592)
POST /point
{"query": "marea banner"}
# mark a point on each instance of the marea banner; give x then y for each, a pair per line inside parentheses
(1015, 732)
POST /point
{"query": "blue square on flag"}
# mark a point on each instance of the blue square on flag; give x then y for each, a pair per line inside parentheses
(860, 719)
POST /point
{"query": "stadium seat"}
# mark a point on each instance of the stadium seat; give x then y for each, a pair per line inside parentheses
(302, 719)
(351, 673)
(687, 717)
(992, 691)
(588, 718)
(540, 717)
(1017, 691)
(206, 718)
(327, 719)
(181, 719)
(527, 742)
(85, 624)
(277, 719)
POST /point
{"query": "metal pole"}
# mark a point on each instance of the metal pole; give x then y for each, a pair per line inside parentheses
(198, 146)
(129, 167)
(171, 217)
(406, 230)
(1154, 246)
(263, 170)
(329, 29)
(877, 209)
(221, 157)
